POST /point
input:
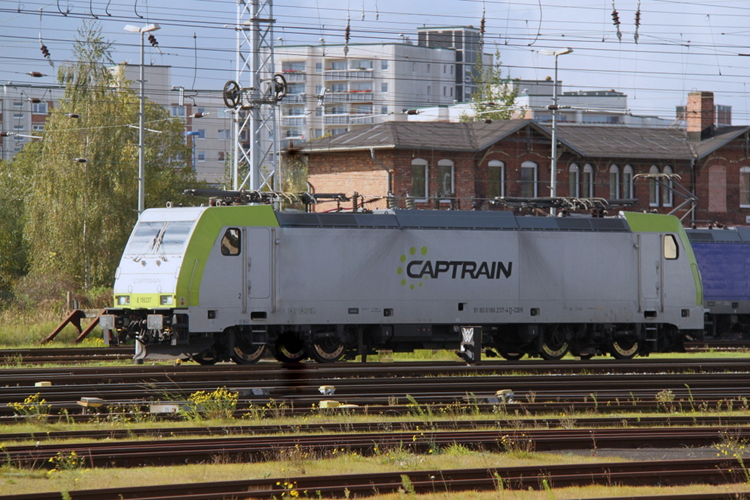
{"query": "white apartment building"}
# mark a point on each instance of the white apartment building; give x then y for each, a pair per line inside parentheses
(330, 90)
(23, 111)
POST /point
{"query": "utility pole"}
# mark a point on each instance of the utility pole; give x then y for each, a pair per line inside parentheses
(254, 96)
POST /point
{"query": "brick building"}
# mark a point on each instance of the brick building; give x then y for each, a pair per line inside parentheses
(473, 163)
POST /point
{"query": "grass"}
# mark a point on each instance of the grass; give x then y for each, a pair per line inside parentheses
(290, 464)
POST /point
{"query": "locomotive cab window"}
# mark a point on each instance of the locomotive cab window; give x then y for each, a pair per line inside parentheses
(230, 243)
(671, 250)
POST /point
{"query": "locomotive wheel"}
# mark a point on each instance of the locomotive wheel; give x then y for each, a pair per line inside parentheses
(244, 353)
(555, 347)
(290, 349)
(511, 356)
(624, 348)
(205, 358)
(328, 350)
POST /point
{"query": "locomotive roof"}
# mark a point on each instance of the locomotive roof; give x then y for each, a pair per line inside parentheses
(726, 235)
(442, 219)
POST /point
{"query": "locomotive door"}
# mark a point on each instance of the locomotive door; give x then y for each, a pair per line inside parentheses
(650, 274)
(258, 264)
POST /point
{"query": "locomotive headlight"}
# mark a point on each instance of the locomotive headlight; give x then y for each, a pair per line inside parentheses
(123, 300)
(166, 300)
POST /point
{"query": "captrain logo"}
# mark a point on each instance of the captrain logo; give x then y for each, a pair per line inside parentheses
(418, 268)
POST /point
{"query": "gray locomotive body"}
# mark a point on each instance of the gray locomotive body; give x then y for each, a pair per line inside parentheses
(332, 285)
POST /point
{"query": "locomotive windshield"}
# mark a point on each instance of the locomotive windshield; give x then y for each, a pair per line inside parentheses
(159, 238)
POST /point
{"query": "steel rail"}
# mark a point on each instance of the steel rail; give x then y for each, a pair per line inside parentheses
(264, 448)
(63, 355)
(723, 422)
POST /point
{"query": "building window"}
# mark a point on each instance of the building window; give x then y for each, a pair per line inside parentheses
(18, 127)
(338, 65)
(39, 108)
(614, 182)
(201, 155)
(588, 181)
(384, 64)
(667, 195)
(627, 182)
(574, 173)
(224, 134)
(199, 134)
(384, 87)
(413, 67)
(178, 111)
(318, 67)
(37, 127)
(222, 156)
(419, 179)
(18, 116)
(653, 188)
(383, 110)
(17, 104)
(318, 132)
(429, 67)
(528, 179)
(745, 187)
(495, 179)
(445, 177)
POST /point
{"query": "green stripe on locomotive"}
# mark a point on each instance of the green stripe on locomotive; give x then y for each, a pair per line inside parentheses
(657, 223)
(207, 230)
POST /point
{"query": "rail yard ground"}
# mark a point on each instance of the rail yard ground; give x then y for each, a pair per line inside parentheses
(68, 473)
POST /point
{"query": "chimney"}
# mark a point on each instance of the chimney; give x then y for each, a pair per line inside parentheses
(700, 115)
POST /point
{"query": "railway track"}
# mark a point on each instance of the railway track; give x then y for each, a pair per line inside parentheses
(668, 472)
(63, 355)
(162, 452)
(588, 422)
(387, 388)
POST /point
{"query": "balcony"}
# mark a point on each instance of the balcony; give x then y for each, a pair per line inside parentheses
(293, 121)
(351, 96)
(358, 74)
(337, 119)
(294, 77)
(294, 99)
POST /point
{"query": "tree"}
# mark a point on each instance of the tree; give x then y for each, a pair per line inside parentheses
(495, 97)
(13, 249)
(82, 202)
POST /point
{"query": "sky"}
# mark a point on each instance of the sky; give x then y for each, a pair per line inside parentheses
(677, 47)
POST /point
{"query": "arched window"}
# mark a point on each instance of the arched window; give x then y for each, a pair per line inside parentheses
(495, 179)
(528, 179)
(588, 181)
(745, 187)
(419, 179)
(614, 182)
(627, 182)
(667, 195)
(575, 182)
(653, 188)
(445, 178)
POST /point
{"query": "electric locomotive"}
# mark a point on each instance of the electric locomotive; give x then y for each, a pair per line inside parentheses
(239, 282)
(723, 257)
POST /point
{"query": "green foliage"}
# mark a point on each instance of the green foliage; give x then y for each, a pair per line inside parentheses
(34, 408)
(217, 405)
(13, 248)
(78, 215)
(495, 97)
